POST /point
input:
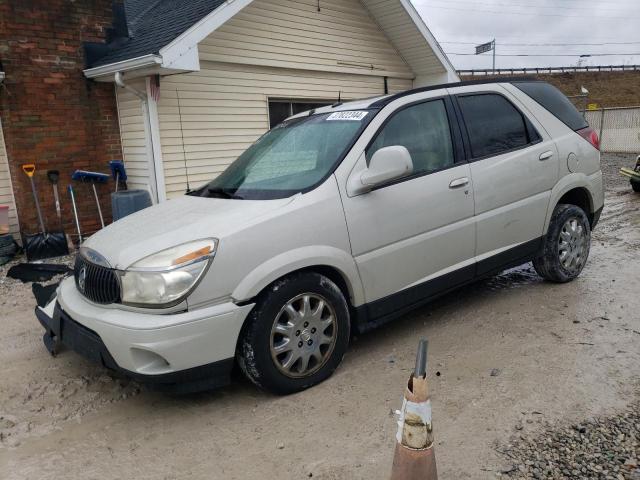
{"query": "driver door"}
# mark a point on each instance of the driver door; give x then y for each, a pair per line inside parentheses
(415, 237)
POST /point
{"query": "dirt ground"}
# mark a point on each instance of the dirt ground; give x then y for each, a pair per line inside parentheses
(559, 353)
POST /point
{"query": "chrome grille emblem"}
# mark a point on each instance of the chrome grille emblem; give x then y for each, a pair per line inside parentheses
(82, 279)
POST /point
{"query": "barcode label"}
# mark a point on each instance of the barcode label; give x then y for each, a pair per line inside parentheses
(351, 115)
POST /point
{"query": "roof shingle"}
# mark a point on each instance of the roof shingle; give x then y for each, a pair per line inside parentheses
(155, 23)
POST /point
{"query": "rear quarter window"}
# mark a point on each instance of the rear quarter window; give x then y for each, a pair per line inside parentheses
(493, 124)
(555, 101)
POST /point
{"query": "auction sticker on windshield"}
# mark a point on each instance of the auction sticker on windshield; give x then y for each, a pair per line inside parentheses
(351, 115)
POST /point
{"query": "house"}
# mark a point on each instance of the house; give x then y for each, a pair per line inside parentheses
(199, 81)
(6, 187)
(50, 114)
(179, 88)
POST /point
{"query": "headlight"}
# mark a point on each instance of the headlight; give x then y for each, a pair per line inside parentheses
(166, 277)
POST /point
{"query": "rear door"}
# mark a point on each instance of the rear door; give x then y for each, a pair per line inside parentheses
(514, 166)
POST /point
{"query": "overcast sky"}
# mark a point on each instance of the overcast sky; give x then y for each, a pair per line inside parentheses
(610, 26)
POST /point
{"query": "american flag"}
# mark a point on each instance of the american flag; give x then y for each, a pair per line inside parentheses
(154, 88)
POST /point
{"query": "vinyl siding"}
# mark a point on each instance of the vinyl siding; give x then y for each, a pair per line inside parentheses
(132, 135)
(292, 34)
(6, 189)
(407, 38)
(225, 108)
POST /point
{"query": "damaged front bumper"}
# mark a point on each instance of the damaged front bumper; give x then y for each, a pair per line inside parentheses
(61, 330)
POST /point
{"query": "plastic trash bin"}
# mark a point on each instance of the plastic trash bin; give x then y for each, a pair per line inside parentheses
(127, 202)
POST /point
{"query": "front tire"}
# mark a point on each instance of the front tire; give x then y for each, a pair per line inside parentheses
(296, 335)
(565, 248)
(635, 186)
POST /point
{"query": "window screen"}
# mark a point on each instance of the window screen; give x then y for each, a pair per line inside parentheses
(494, 125)
(424, 130)
(554, 100)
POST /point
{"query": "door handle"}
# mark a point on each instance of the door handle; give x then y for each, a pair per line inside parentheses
(459, 182)
(546, 156)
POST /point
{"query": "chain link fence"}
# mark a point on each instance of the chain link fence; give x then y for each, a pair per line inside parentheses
(618, 128)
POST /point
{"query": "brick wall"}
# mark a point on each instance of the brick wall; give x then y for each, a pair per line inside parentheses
(607, 89)
(52, 116)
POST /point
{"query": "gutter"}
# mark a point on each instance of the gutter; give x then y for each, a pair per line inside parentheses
(150, 60)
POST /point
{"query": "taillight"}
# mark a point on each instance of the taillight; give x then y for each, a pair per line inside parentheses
(590, 135)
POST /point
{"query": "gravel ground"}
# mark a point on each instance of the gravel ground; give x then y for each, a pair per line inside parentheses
(519, 361)
(14, 292)
(602, 448)
(611, 165)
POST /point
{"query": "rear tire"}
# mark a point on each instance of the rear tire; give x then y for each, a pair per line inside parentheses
(296, 335)
(636, 186)
(565, 247)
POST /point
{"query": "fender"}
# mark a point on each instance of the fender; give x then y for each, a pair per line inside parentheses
(300, 258)
(569, 182)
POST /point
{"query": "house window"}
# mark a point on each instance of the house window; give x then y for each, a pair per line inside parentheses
(279, 110)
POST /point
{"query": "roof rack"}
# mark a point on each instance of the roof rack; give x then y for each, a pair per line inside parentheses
(386, 100)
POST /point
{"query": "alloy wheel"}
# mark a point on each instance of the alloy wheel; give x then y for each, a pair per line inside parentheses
(303, 335)
(572, 245)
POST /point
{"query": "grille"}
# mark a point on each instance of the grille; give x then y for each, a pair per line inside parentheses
(99, 284)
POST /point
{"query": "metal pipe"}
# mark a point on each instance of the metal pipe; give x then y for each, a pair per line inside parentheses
(95, 194)
(119, 79)
(35, 198)
(421, 360)
(75, 213)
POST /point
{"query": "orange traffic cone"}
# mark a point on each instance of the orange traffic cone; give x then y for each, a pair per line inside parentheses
(414, 457)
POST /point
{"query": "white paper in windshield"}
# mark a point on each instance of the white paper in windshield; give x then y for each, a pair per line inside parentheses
(350, 115)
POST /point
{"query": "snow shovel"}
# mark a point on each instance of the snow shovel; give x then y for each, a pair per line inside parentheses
(118, 173)
(93, 178)
(54, 177)
(42, 245)
(75, 213)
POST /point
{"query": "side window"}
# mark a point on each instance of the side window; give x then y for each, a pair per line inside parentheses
(424, 130)
(494, 125)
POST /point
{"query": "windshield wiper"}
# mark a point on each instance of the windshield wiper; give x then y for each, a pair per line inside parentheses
(222, 193)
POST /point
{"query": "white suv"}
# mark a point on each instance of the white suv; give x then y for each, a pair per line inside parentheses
(334, 222)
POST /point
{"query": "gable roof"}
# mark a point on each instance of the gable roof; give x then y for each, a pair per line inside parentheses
(164, 36)
(152, 24)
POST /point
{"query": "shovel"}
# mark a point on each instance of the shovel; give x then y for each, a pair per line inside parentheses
(54, 177)
(42, 245)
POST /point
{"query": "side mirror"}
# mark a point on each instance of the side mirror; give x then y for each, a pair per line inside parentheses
(387, 164)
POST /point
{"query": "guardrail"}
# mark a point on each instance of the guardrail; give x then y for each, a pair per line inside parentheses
(537, 70)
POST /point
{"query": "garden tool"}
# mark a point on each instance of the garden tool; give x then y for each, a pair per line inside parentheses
(43, 244)
(93, 177)
(118, 173)
(75, 212)
(54, 177)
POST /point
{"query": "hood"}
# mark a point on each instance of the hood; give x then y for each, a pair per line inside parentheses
(176, 222)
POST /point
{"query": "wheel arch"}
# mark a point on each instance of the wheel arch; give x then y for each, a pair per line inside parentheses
(580, 197)
(574, 190)
(335, 264)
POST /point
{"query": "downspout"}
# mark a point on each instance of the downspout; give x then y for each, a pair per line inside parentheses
(119, 81)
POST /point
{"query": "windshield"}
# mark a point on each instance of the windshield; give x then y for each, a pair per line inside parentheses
(291, 158)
